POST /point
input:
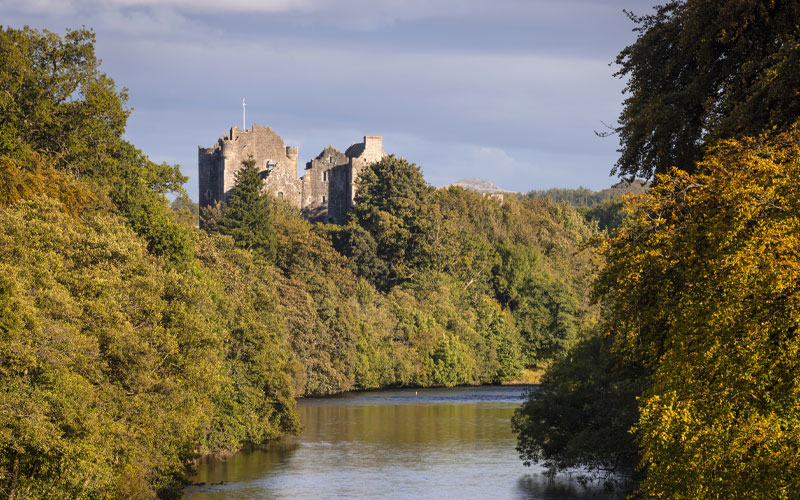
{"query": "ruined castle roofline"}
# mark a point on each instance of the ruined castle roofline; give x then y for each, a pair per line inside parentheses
(236, 132)
(355, 150)
(327, 151)
(326, 154)
(228, 140)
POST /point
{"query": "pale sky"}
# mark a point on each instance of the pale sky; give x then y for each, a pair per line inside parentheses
(506, 90)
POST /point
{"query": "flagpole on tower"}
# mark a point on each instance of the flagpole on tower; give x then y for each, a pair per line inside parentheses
(244, 122)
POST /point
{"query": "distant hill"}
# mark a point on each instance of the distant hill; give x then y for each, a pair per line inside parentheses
(480, 185)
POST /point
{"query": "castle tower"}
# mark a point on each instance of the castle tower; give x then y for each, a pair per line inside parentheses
(217, 165)
(362, 154)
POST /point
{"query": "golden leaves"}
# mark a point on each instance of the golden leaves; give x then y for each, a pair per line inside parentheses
(702, 286)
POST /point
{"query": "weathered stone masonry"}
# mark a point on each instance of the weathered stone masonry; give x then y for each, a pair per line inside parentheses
(324, 193)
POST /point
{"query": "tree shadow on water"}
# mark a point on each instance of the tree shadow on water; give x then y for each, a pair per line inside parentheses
(562, 487)
(253, 462)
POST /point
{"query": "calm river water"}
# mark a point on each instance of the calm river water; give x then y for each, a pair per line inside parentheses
(400, 444)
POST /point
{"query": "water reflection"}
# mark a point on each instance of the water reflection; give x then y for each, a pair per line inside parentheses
(433, 443)
(538, 487)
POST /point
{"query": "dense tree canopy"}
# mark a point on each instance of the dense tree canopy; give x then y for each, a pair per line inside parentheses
(125, 355)
(583, 197)
(390, 204)
(55, 101)
(105, 371)
(701, 289)
(702, 71)
(61, 126)
(699, 285)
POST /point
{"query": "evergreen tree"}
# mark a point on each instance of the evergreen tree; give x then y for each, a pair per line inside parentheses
(247, 215)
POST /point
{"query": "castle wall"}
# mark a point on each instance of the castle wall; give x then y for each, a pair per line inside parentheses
(339, 194)
(317, 196)
(210, 174)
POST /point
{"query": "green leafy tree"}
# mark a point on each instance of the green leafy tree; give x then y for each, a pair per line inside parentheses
(608, 215)
(61, 126)
(505, 342)
(580, 417)
(361, 250)
(186, 211)
(583, 197)
(547, 310)
(109, 364)
(701, 71)
(390, 204)
(148, 214)
(56, 102)
(254, 402)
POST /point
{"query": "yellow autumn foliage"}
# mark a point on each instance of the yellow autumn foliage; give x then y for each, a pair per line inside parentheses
(702, 289)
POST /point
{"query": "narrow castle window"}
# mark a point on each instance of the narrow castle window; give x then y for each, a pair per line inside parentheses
(323, 199)
(325, 176)
(280, 195)
(330, 159)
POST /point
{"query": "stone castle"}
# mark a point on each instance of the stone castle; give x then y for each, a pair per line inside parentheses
(324, 193)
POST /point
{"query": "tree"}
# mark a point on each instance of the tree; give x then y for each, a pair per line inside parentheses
(56, 102)
(608, 214)
(702, 71)
(580, 416)
(247, 214)
(186, 211)
(254, 401)
(547, 309)
(390, 204)
(701, 290)
(361, 250)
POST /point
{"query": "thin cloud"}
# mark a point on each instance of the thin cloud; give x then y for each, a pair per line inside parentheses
(357, 14)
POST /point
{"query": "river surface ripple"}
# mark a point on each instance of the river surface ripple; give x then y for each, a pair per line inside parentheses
(399, 444)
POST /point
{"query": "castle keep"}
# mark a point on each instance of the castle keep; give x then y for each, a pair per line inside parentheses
(324, 193)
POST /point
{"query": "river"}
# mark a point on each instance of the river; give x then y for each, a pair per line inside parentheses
(399, 444)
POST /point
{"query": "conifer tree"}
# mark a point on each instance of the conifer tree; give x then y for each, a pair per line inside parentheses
(247, 215)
